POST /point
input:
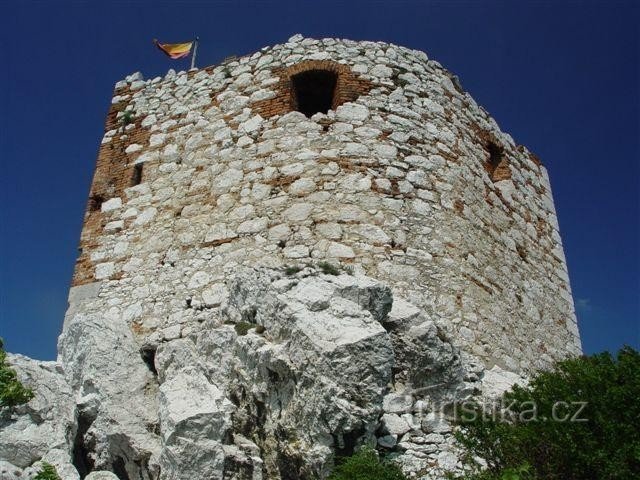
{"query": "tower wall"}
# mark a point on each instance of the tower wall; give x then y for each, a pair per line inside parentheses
(406, 179)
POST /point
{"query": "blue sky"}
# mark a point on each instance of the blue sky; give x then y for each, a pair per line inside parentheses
(561, 77)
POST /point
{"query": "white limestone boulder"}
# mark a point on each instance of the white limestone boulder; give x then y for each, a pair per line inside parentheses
(117, 410)
(319, 371)
(194, 420)
(42, 429)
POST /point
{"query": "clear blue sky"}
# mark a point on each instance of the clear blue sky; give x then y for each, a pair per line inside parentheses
(561, 77)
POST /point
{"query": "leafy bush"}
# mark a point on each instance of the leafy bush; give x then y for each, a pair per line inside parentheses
(127, 118)
(328, 269)
(242, 328)
(552, 430)
(521, 473)
(12, 392)
(47, 472)
(291, 270)
(365, 465)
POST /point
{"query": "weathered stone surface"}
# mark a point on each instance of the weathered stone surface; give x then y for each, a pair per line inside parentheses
(44, 428)
(394, 424)
(101, 475)
(352, 112)
(497, 380)
(194, 419)
(338, 395)
(117, 409)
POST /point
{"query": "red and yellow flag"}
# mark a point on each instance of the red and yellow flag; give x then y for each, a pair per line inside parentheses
(175, 50)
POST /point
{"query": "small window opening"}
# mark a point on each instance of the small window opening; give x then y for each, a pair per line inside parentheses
(95, 202)
(136, 178)
(313, 91)
(497, 165)
(495, 155)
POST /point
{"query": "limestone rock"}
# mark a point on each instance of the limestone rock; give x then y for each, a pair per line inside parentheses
(101, 475)
(45, 427)
(194, 418)
(352, 112)
(117, 411)
(496, 381)
(332, 349)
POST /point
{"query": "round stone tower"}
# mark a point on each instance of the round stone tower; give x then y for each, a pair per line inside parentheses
(362, 159)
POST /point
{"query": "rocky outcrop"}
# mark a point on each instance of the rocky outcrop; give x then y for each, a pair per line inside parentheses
(116, 395)
(286, 373)
(42, 430)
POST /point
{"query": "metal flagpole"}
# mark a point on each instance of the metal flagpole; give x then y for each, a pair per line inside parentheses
(195, 51)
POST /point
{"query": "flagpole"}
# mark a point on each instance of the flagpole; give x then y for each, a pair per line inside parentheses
(195, 51)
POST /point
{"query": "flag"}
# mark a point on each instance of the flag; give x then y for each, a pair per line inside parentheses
(175, 50)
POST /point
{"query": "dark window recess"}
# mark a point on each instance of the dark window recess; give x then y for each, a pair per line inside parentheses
(136, 178)
(95, 202)
(495, 155)
(313, 91)
(497, 165)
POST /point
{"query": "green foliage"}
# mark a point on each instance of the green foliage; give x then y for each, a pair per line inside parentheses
(554, 434)
(12, 392)
(328, 268)
(520, 473)
(260, 329)
(126, 118)
(365, 465)
(292, 270)
(47, 472)
(243, 327)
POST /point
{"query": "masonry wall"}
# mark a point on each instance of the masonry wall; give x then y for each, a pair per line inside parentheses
(406, 179)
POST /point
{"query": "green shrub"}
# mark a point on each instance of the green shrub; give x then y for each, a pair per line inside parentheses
(292, 270)
(365, 465)
(521, 473)
(47, 472)
(12, 392)
(126, 118)
(328, 269)
(243, 327)
(599, 439)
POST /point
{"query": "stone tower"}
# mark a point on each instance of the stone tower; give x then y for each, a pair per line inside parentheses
(280, 252)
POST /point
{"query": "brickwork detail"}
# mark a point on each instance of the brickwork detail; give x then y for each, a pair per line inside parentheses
(113, 173)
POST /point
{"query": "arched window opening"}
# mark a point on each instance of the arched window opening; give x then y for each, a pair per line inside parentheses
(313, 91)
